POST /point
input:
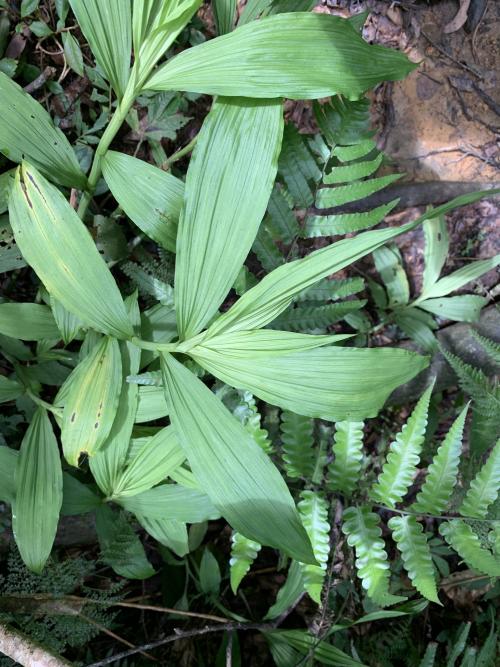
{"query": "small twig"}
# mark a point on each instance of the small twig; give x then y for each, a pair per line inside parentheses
(113, 635)
(450, 57)
(40, 80)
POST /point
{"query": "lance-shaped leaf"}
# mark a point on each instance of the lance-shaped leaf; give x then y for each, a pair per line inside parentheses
(8, 463)
(68, 324)
(57, 245)
(151, 404)
(27, 133)
(459, 278)
(173, 502)
(156, 459)
(271, 58)
(264, 302)
(328, 382)
(462, 308)
(92, 401)
(417, 559)
(39, 493)
(106, 465)
(236, 474)
(9, 389)
(484, 488)
(224, 14)
(150, 197)
(228, 185)
(172, 534)
(78, 498)
(107, 27)
(155, 26)
(28, 321)
(436, 250)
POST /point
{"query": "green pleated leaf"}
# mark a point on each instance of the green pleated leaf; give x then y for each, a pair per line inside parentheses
(157, 458)
(274, 293)
(9, 389)
(224, 14)
(289, 593)
(120, 546)
(7, 180)
(457, 279)
(435, 494)
(151, 404)
(415, 552)
(243, 554)
(28, 321)
(172, 534)
(363, 531)
(27, 133)
(463, 308)
(389, 264)
(236, 474)
(313, 510)
(466, 543)
(57, 245)
(271, 58)
(329, 382)
(92, 401)
(107, 26)
(484, 488)
(403, 457)
(38, 479)
(435, 250)
(106, 464)
(150, 197)
(228, 185)
(307, 644)
(417, 325)
(78, 498)
(8, 463)
(343, 472)
(69, 325)
(173, 502)
(345, 223)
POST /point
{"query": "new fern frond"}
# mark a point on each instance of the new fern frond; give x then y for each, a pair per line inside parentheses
(436, 491)
(243, 554)
(412, 543)
(483, 489)
(362, 527)
(398, 472)
(313, 510)
(348, 452)
(297, 441)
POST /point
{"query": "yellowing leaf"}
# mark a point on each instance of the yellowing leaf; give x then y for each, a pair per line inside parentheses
(35, 510)
(57, 245)
(232, 469)
(92, 402)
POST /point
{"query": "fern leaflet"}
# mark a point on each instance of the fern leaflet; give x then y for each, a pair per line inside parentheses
(441, 477)
(297, 440)
(491, 348)
(412, 543)
(313, 510)
(402, 460)
(348, 450)
(363, 532)
(483, 490)
(429, 655)
(243, 553)
(464, 540)
(304, 318)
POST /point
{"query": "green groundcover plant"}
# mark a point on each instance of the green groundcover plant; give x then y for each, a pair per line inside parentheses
(205, 463)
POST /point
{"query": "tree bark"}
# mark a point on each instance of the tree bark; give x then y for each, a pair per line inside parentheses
(27, 652)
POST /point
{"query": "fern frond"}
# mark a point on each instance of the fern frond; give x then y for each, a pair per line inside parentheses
(344, 223)
(404, 455)
(297, 441)
(483, 489)
(436, 491)
(242, 404)
(305, 318)
(363, 531)
(353, 172)
(492, 349)
(266, 250)
(466, 543)
(313, 510)
(331, 290)
(354, 152)
(458, 645)
(494, 537)
(243, 554)
(344, 194)
(412, 544)
(429, 655)
(297, 167)
(348, 451)
(281, 219)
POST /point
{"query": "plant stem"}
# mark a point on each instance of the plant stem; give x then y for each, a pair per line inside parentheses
(103, 146)
(48, 406)
(151, 345)
(181, 153)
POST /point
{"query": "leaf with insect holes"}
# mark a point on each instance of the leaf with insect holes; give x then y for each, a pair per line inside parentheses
(92, 402)
(28, 133)
(58, 246)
